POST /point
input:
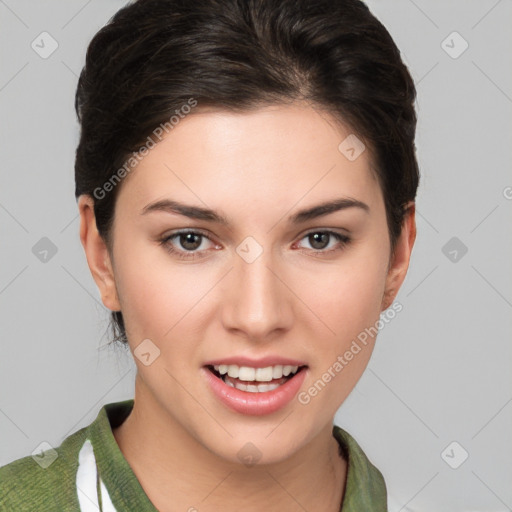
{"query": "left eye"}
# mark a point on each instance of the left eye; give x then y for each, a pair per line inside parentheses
(319, 240)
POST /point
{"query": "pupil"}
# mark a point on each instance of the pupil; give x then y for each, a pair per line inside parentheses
(188, 238)
(321, 238)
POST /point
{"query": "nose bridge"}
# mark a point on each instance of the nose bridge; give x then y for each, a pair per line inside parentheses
(258, 304)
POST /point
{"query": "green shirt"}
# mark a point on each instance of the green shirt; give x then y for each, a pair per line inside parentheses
(90, 473)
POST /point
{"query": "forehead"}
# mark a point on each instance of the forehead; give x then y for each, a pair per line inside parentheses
(271, 155)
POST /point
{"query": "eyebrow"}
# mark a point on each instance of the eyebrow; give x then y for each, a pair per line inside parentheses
(200, 213)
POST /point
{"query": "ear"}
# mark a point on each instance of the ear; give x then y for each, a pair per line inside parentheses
(98, 257)
(399, 262)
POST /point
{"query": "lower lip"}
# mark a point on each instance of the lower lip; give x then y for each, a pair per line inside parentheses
(256, 404)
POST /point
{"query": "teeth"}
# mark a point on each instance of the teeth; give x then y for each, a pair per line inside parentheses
(245, 373)
(287, 370)
(264, 374)
(251, 388)
(256, 374)
(277, 372)
(233, 371)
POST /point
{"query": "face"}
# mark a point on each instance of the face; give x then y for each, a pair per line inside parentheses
(248, 275)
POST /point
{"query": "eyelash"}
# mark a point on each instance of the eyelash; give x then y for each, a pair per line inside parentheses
(343, 241)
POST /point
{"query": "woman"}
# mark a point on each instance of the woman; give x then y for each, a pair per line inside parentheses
(245, 178)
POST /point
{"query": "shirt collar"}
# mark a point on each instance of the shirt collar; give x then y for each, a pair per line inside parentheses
(364, 486)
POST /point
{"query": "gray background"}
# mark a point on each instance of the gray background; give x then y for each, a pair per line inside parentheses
(441, 369)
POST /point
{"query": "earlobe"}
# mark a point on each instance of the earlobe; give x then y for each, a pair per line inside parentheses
(98, 257)
(399, 263)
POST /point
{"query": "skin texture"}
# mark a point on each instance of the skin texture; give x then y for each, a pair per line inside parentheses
(256, 169)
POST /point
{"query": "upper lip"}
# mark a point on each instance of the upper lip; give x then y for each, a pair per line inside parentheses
(262, 362)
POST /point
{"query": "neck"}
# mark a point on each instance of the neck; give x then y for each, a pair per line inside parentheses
(179, 473)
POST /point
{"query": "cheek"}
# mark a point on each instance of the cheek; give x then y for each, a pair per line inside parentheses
(155, 294)
(350, 298)
(349, 304)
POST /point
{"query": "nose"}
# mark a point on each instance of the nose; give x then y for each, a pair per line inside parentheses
(257, 303)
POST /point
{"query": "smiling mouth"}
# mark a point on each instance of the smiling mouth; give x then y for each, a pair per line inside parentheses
(255, 380)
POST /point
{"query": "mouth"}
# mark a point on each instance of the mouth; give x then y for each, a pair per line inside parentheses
(255, 380)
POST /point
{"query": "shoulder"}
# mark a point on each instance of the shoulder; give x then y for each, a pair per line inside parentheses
(45, 481)
(365, 487)
(64, 478)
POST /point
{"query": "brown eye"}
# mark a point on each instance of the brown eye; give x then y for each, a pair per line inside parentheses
(186, 244)
(320, 241)
(190, 241)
